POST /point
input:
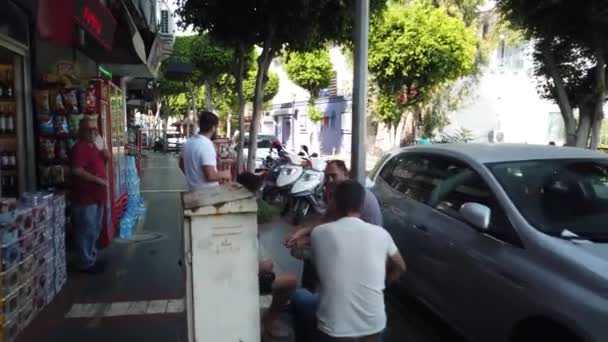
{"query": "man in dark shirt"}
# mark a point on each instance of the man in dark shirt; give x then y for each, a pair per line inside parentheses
(89, 186)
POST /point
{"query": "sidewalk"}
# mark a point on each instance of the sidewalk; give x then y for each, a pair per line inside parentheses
(140, 296)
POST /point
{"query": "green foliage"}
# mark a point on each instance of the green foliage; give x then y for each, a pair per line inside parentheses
(265, 211)
(414, 49)
(311, 70)
(270, 90)
(314, 114)
(463, 135)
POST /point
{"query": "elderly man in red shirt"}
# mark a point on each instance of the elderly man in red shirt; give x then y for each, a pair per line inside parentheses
(89, 186)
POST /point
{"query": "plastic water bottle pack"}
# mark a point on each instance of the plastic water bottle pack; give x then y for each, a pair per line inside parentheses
(135, 205)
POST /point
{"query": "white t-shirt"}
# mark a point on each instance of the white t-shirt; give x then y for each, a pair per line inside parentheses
(198, 151)
(350, 257)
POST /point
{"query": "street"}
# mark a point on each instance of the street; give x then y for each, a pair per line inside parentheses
(147, 270)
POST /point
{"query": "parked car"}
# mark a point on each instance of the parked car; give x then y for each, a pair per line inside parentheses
(505, 242)
(263, 149)
(175, 141)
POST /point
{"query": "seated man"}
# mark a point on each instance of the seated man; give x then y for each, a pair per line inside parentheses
(353, 259)
(280, 286)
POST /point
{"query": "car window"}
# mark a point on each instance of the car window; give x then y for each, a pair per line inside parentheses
(467, 186)
(559, 195)
(414, 175)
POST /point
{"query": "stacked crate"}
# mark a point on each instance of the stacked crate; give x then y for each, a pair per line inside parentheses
(33, 260)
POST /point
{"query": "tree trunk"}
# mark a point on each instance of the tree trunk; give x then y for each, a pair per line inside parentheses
(165, 143)
(263, 65)
(241, 105)
(600, 95)
(584, 126)
(208, 96)
(562, 97)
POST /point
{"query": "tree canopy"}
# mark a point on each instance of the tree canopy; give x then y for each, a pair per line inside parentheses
(414, 49)
(271, 87)
(570, 58)
(311, 70)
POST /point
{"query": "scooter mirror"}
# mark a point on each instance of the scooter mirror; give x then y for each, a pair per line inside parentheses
(314, 155)
(305, 148)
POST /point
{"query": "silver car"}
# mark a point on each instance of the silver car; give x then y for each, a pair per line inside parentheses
(504, 242)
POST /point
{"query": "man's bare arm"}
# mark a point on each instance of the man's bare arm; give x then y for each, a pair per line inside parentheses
(80, 172)
(395, 267)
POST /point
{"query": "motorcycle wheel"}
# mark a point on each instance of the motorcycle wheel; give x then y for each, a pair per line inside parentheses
(284, 200)
(300, 211)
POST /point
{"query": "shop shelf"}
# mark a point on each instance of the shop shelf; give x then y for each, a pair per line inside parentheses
(11, 280)
(10, 305)
(9, 329)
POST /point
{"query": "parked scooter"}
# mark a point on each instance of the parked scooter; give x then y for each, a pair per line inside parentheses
(308, 192)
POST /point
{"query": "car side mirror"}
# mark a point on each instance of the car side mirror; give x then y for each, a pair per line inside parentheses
(478, 215)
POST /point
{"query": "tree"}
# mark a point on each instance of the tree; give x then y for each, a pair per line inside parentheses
(571, 58)
(415, 50)
(271, 88)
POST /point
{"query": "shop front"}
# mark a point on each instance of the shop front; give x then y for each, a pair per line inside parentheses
(16, 127)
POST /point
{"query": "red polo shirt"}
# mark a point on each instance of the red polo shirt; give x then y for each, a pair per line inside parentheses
(89, 158)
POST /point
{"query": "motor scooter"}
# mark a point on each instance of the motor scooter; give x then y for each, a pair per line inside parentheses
(309, 190)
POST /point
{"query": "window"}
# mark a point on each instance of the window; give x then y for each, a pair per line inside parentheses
(557, 195)
(164, 21)
(415, 176)
(467, 186)
(446, 184)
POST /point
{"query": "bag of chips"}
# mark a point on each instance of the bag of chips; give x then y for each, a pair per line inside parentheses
(47, 149)
(70, 100)
(62, 150)
(91, 100)
(41, 98)
(45, 125)
(61, 125)
(58, 103)
(74, 123)
(82, 100)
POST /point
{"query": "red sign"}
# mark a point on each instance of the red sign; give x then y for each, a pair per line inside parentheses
(96, 19)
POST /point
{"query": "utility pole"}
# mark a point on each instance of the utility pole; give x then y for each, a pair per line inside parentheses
(358, 145)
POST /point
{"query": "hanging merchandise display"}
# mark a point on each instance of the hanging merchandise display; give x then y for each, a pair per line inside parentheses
(60, 107)
(9, 173)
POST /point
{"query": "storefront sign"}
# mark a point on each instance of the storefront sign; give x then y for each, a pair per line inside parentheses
(96, 19)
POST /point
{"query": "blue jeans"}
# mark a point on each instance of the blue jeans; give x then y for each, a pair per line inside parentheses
(304, 305)
(87, 223)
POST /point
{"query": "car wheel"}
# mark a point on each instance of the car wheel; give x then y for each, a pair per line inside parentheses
(542, 329)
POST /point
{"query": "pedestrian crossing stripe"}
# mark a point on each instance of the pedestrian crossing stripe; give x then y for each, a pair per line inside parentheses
(135, 308)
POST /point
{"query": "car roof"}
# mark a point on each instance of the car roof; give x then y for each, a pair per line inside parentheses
(495, 153)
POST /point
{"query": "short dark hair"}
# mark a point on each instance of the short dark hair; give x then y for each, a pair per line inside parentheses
(250, 181)
(348, 198)
(206, 121)
(340, 164)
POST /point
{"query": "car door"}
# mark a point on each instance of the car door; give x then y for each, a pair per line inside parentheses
(402, 188)
(476, 270)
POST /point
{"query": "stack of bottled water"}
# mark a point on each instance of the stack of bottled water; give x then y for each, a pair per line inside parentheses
(135, 205)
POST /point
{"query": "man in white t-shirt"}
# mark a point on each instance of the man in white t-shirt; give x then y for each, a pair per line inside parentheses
(198, 159)
(354, 260)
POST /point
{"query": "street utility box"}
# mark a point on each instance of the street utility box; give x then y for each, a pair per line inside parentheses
(221, 253)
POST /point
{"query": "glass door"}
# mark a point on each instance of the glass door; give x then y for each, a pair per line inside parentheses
(11, 117)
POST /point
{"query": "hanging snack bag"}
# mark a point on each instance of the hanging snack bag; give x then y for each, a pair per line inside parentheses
(62, 150)
(91, 100)
(82, 100)
(93, 118)
(61, 125)
(45, 125)
(74, 123)
(71, 143)
(47, 149)
(70, 100)
(45, 175)
(42, 102)
(58, 103)
(58, 175)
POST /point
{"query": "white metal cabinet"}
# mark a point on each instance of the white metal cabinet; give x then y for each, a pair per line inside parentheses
(221, 252)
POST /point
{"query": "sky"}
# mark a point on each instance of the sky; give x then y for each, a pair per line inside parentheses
(178, 30)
